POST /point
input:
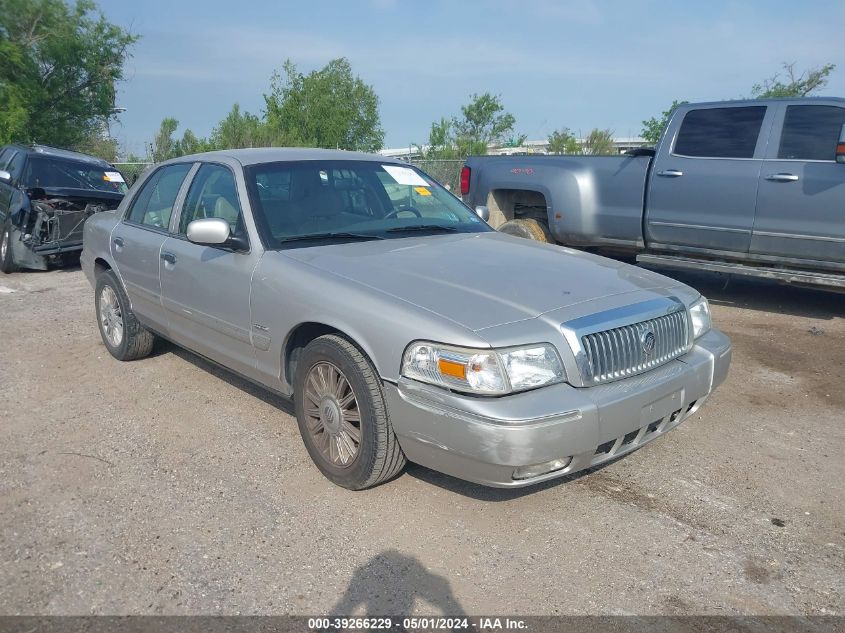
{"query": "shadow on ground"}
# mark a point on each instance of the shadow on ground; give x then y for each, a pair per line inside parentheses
(391, 583)
(262, 393)
(762, 294)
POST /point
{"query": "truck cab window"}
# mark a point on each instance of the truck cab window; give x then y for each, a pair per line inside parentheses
(720, 132)
(810, 132)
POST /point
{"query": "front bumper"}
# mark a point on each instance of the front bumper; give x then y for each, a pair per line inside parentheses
(485, 440)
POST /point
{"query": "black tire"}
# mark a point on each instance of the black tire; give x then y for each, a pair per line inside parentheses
(379, 456)
(528, 228)
(7, 260)
(136, 341)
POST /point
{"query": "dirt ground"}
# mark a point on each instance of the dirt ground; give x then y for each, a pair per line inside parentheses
(168, 486)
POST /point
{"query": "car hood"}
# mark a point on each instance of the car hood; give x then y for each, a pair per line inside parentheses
(480, 280)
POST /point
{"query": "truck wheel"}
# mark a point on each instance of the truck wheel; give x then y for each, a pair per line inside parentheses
(7, 259)
(342, 416)
(528, 228)
(123, 335)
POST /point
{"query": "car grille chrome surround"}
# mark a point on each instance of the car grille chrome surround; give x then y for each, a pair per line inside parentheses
(628, 341)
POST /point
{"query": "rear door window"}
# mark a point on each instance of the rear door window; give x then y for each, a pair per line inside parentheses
(153, 205)
(811, 132)
(720, 132)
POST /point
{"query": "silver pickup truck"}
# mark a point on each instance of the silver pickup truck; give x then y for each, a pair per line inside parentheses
(743, 187)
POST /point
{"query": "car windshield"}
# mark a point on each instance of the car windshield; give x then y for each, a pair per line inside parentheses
(304, 202)
(62, 173)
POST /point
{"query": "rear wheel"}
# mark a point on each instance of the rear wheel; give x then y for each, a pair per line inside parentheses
(123, 335)
(7, 259)
(528, 228)
(342, 415)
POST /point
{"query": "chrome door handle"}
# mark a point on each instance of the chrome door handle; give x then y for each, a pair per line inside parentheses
(118, 243)
(782, 177)
(670, 173)
(170, 258)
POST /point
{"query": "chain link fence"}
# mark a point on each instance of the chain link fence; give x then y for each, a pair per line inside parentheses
(131, 171)
(446, 172)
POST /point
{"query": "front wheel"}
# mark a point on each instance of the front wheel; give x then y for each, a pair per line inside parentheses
(528, 228)
(342, 415)
(7, 259)
(123, 334)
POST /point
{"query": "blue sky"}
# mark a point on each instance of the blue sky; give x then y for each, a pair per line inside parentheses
(579, 64)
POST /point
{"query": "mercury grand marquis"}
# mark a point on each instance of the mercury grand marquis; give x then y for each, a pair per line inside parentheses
(402, 326)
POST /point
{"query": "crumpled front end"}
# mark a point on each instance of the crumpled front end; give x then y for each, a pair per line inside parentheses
(49, 228)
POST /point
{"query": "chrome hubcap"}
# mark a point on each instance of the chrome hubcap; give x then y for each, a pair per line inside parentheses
(111, 318)
(332, 415)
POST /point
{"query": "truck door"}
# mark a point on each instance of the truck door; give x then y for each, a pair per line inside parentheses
(703, 185)
(801, 200)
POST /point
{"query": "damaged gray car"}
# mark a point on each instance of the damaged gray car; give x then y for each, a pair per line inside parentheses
(46, 194)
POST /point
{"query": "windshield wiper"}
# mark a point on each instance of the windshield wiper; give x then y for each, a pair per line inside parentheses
(333, 235)
(422, 227)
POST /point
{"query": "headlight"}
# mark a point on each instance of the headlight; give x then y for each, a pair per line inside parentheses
(699, 313)
(483, 371)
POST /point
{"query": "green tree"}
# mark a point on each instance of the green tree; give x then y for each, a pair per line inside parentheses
(483, 122)
(654, 127)
(164, 146)
(791, 84)
(599, 142)
(190, 143)
(329, 107)
(563, 142)
(59, 64)
(238, 130)
(441, 145)
(100, 144)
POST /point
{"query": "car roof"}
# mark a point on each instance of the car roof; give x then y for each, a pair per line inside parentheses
(768, 100)
(256, 155)
(55, 152)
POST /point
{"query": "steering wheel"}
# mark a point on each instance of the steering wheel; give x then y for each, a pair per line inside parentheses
(395, 213)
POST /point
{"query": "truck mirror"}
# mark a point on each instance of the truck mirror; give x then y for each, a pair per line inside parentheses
(840, 146)
(5, 176)
(483, 212)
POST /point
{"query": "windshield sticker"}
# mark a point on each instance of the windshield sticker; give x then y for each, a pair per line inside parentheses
(113, 176)
(405, 176)
(422, 191)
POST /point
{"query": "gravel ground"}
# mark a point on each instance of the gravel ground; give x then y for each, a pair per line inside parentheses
(168, 486)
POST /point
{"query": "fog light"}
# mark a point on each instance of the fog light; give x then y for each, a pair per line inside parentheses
(527, 472)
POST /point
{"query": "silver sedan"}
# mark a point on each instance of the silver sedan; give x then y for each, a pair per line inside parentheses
(401, 324)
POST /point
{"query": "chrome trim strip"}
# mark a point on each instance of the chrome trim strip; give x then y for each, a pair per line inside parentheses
(681, 225)
(712, 157)
(821, 238)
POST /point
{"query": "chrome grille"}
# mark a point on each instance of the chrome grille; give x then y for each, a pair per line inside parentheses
(619, 352)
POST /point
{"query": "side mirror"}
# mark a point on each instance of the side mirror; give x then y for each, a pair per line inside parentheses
(209, 231)
(840, 146)
(483, 212)
(5, 176)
